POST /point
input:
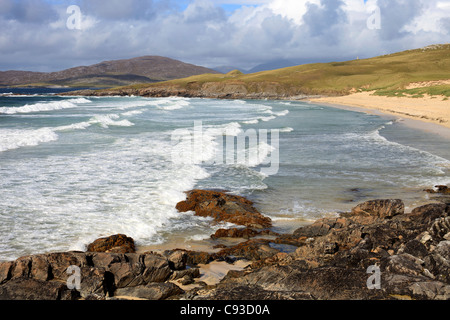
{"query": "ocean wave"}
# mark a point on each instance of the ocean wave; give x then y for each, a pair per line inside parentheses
(132, 113)
(11, 139)
(75, 126)
(44, 107)
(254, 121)
(286, 129)
(267, 119)
(416, 156)
(276, 113)
(281, 113)
(107, 120)
(172, 104)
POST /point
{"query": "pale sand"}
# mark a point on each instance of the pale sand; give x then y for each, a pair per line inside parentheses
(434, 111)
(211, 273)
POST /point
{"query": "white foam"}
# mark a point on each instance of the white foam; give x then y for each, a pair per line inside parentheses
(107, 120)
(11, 139)
(255, 121)
(132, 113)
(267, 119)
(255, 155)
(44, 107)
(281, 113)
(286, 129)
(75, 126)
(173, 105)
(80, 100)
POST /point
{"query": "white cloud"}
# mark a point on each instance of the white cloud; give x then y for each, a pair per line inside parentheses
(204, 33)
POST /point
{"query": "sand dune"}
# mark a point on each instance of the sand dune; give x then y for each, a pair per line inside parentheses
(431, 109)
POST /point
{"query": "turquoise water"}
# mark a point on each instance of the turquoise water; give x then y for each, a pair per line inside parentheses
(74, 169)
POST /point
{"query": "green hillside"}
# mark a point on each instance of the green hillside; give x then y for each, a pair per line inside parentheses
(388, 75)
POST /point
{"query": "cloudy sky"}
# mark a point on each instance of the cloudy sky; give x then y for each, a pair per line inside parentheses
(43, 35)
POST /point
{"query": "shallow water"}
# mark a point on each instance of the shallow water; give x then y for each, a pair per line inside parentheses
(74, 169)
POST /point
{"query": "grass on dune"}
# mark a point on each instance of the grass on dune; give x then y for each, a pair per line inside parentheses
(387, 75)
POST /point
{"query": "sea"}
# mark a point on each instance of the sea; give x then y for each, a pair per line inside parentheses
(74, 169)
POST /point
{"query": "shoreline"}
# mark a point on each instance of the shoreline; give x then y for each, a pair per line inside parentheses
(411, 112)
(325, 260)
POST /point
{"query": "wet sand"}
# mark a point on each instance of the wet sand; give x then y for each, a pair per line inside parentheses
(428, 113)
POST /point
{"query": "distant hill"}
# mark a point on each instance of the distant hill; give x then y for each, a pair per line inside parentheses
(387, 75)
(115, 73)
(273, 65)
(226, 69)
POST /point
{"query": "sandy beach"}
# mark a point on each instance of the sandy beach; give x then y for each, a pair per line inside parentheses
(427, 113)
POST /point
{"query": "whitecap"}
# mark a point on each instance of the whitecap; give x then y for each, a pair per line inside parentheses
(255, 121)
(11, 139)
(44, 107)
(108, 120)
(132, 113)
(267, 119)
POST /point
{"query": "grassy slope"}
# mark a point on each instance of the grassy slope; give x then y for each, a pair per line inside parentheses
(387, 75)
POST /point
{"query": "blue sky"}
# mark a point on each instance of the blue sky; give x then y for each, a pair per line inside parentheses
(34, 33)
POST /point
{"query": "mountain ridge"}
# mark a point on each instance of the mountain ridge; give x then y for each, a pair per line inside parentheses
(111, 73)
(386, 75)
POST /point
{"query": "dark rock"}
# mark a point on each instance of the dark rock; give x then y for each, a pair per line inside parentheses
(440, 228)
(426, 214)
(31, 289)
(380, 208)
(442, 189)
(331, 261)
(114, 244)
(246, 233)
(95, 282)
(198, 257)
(241, 292)
(321, 227)
(191, 273)
(156, 269)
(255, 249)
(100, 274)
(5, 271)
(415, 248)
(177, 260)
(405, 264)
(153, 291)
(438, 262)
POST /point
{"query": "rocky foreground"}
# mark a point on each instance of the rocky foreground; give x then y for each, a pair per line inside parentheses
(334, 258)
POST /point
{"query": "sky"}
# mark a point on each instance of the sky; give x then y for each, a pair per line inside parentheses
(43, 35)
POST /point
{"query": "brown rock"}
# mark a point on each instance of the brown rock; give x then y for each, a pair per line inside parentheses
(255, 249)
(321, 227)
(380, 208)
(426, 214)
(442, 189)
(31, 289)
(5, 271)
(224, 208)
(156, 269)
(246, 233)
(153, 291)
(114, 244)
(177, 260)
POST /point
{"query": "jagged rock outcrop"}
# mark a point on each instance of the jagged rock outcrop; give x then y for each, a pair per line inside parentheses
(407, 256)
(224, 207)
(101, 275)
(119, 243)
(334, 256)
